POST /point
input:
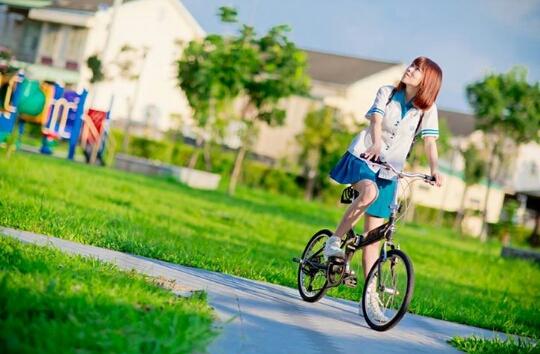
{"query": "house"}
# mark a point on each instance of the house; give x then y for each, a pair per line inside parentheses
(344, 82)
(523, 183)
(53, 39)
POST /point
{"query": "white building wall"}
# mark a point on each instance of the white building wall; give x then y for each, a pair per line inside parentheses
(527, 173)
(360, 95)
(448, 196)
(157, 25)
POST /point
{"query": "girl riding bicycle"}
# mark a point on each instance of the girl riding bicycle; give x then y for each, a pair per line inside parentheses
(398, 114)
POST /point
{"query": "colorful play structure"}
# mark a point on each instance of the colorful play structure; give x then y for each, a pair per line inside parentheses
(59, 112)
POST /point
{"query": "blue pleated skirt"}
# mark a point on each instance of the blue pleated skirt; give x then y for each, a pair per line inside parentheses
(351, 169)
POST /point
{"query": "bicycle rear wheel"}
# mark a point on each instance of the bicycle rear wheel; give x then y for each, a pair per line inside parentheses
(388, 291)
(311, 278)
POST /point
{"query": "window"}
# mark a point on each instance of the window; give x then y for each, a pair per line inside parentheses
(73, 46)
(534, 168)
(29, 42)
(51, 35)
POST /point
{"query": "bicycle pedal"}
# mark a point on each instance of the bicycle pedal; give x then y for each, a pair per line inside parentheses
(350, 282)
(336, 260)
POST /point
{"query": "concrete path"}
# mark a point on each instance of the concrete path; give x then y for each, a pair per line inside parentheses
(258, 317)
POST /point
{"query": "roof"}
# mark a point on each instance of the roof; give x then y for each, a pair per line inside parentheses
(460, 124)
(26, 4)
(82, 5)
(78, 5)
(341, 69)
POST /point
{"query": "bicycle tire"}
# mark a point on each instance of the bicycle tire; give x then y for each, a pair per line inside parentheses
(305, 293)
(406, 300)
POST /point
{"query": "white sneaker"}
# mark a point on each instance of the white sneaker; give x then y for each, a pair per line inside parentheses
(373, 304)
(332, 248)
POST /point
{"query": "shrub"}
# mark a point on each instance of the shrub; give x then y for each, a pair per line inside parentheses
(150, 149)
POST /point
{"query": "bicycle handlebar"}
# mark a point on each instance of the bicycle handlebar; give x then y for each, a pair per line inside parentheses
(388, 166)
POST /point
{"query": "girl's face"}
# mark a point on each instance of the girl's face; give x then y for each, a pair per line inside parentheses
(412, 76)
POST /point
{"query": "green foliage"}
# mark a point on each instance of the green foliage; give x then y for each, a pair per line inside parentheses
(96, 67)
(255, 234)
(228, 14)
(507, 104)
(507, 109)
(477, 345)
(258, 175)
(424, 215)
(329, 157)
(321, 138)
(6, 58)
(260, 70)
(474, 166)
(150, 149)
(51, 302)
(518, 234)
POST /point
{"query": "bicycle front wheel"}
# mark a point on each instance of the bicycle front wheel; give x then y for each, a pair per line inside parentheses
(388, 291)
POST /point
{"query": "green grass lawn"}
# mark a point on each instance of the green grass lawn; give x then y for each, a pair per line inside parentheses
(54, 303)
(255, 234)
(475, 345)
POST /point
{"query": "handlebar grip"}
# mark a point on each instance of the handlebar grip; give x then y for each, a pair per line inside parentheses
(363, 156)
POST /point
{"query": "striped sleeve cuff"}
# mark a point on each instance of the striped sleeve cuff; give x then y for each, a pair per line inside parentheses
(429, 132)
(375, 110)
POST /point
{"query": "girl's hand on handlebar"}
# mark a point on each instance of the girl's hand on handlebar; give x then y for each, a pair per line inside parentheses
(373, 153)
(436, 179)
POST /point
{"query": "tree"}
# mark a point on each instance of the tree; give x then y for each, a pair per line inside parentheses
(274, 69)
(210, 75)
(318, 140)
(472, 174)
(507, 110)
(95, 65)
(255, 72)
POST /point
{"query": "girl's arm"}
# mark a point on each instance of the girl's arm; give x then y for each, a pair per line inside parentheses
(374, 151)
(430, 145)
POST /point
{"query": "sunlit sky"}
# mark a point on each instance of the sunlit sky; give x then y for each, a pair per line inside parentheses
(466, 38)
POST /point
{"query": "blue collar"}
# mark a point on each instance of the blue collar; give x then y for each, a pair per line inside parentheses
(399, 97)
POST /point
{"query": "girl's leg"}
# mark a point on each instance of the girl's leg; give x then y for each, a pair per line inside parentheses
(370, 253)
(368, 193)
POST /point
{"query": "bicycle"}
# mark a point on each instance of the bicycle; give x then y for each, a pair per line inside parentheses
(390, 282)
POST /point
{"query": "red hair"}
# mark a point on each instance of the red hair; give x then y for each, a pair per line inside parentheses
(429, 86)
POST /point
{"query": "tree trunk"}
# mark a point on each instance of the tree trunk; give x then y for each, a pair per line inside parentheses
(11, 143)
(310, 185)
(534, 239)
(483, 232)
(235, 175)
(207, 156)
(461, 213)
(125, 140)
(195, 156)
(237, 169)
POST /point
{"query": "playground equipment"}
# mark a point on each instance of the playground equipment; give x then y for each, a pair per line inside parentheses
(94, 134)
(65, 121)
(59, 112)
(10, 94)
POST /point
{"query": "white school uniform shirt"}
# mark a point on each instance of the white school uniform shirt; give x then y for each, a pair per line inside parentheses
(397, 132)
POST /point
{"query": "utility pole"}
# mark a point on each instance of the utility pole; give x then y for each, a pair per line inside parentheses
(127, 128)
(106, 47)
